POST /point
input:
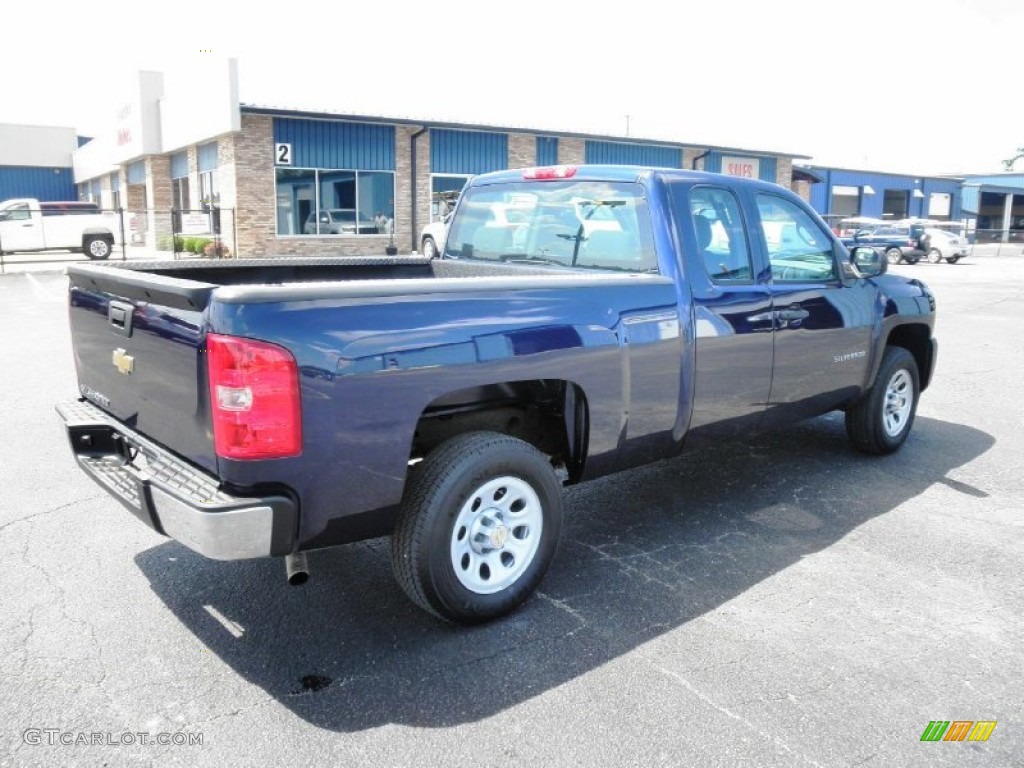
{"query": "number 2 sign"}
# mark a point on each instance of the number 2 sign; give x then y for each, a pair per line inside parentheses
(283, 154)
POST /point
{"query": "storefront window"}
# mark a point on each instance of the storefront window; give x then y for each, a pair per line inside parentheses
(208, 194)
(444, 191)
(334, 202)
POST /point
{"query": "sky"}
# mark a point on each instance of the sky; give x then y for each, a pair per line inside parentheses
(895, 85)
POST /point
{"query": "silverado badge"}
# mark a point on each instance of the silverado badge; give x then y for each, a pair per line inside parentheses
(123, 362)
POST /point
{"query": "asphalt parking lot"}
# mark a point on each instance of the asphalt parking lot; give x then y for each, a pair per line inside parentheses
(780, 600)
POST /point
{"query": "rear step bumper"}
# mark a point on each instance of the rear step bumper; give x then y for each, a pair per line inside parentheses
(172, 496)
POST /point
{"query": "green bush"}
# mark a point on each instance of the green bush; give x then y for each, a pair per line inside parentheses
(167, 243)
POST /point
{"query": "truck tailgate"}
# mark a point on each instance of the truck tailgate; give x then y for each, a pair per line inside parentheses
(137, 342)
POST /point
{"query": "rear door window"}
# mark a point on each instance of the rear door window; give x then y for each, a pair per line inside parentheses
(721, 236)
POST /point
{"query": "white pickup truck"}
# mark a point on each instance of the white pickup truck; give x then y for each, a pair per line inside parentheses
(30, 225)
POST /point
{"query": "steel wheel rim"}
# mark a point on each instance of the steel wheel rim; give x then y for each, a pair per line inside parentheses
(894, 256)
(935, 256)
(496, 535)
(429, 249)
(98, 248)
(899, 400)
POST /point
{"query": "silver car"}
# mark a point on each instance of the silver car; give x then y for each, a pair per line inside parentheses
(943, 244)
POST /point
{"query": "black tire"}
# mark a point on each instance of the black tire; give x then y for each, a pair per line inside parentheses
(953, 259)
(429, 247)
(448, 485)
(97, 248)
(894, 255)
(935, 256)
(880, 421)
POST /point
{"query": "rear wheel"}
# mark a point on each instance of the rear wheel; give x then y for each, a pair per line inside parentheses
(97, 248)
(894, 255)
(880, 422)
(935, 256)
(479, 525)
(429, 247)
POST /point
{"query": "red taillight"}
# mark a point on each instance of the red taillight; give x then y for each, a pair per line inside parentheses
(254, 398)
(550, 172)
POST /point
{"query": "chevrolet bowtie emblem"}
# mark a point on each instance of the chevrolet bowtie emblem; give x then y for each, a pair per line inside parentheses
(123, 362)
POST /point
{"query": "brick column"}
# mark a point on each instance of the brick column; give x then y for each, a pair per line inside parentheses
(405, 238)
(784, 172)
(690, 154)
(158, 194)
(522, 150)
(255, 201)
(571, 151)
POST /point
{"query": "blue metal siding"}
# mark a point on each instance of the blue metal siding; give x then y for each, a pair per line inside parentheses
(998, 180)
(179, 165)
(622, 153)
(40, 183)
(547, 150)
(467, 152)
(208, 157)
(871, 205)
(337, 144)
(136, 172)
(767, 166)
(971, 199)
(819, 197)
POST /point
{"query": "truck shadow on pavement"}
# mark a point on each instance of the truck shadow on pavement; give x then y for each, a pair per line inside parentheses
(643, 552)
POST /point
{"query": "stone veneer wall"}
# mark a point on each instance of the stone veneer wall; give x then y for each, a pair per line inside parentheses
(522, 150)
(571, 151)
(784, 172)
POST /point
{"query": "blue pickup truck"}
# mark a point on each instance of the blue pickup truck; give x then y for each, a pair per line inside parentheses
(900, 244)
(577, 321)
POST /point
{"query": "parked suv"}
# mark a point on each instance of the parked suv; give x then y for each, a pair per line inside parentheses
(901, 244)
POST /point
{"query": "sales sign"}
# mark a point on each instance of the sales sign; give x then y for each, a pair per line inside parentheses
(744, 167)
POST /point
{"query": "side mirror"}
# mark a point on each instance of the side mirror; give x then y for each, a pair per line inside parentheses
(870, 262)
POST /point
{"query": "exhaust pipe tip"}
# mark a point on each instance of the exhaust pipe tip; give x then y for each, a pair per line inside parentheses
(296, 568)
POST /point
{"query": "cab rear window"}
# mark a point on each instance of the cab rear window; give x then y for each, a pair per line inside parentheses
(573, 224)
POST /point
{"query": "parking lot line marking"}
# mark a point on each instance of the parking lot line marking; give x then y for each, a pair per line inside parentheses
(233, 627)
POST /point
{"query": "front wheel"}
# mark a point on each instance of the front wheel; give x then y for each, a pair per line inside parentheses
(880, 422)
(953, 259)
(935, 256)
(479, 525)
(96, 248)
(894, 255)
(429, 247)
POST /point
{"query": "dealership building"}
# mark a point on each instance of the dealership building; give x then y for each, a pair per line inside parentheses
(293, 182)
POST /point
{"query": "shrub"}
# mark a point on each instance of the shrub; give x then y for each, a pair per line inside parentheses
(216, 250)
(167, 243)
